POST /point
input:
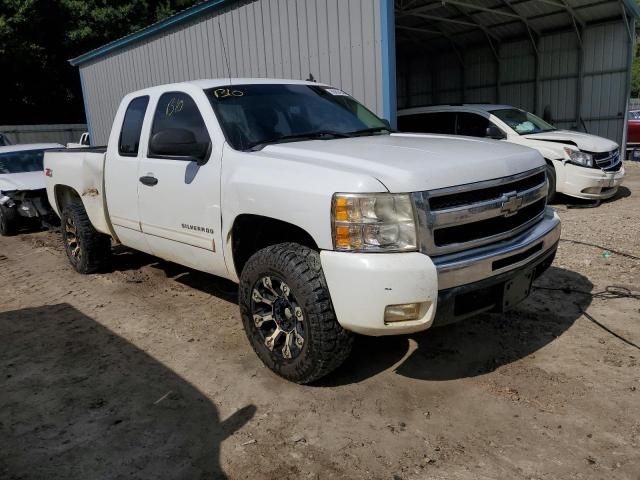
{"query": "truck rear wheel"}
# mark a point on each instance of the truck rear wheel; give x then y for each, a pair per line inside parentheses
(87, 249)
(8, 221)
(288, 316)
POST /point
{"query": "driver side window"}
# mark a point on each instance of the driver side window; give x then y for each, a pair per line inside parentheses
(472, 125)
(177, 122)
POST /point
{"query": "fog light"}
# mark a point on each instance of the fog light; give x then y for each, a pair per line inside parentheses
(401, 313)
(592, 190)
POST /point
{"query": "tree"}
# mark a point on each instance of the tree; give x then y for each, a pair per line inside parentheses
(38, 37)
(635, 73)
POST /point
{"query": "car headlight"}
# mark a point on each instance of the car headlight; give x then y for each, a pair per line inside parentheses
(577, 157)
(373, 222)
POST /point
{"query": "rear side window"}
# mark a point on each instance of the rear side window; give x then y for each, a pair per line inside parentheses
(472, 125)
(132, 126)
(436, 122)
(177, 110)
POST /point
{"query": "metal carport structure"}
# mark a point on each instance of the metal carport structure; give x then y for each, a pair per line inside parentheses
(571, 58)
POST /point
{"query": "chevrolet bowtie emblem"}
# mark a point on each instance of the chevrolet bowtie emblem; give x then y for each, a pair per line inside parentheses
(511, 205)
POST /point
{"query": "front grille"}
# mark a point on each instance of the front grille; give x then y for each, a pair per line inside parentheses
(488, 228)
(468, 216)
(473, 196)
(607, 161)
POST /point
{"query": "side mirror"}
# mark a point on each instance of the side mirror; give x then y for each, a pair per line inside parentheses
(179, 144)
(494, 132)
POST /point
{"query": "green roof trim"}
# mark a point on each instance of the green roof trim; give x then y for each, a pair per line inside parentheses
(180, 17)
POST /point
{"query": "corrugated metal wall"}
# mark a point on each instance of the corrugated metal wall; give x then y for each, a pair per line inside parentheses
(600, 110)
(56, 133)
(336, 41)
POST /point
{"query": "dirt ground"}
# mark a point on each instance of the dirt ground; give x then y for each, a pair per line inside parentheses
(145, 372)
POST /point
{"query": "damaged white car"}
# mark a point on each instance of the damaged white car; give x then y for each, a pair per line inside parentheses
(23, 197)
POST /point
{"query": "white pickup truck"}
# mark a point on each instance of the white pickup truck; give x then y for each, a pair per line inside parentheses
(330, 223)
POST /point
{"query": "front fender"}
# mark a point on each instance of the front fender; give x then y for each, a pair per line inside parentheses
(286, 190)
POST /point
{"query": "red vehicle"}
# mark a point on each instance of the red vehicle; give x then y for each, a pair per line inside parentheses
(633, 128)
(633, 135)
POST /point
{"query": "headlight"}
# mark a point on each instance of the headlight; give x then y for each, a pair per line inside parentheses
(579, 158)
(376, 222)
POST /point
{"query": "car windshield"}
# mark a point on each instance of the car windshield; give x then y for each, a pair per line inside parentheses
(22, 161)
(256, 115)
(522, 122)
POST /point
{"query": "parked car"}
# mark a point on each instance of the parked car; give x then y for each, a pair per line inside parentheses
(329, 223)
(84, 141)
(4, 140)
(578, 164)
(22, 187)
(633, 130)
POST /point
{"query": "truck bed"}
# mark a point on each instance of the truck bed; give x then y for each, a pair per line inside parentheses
(82, 170)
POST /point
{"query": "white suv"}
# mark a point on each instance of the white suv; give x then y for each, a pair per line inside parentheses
(578, 164)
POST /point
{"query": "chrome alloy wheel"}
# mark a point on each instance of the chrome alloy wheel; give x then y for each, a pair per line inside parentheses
(71, 239)
(278, 317)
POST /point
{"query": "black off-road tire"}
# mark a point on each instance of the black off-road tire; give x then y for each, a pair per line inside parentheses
(8, 221)
(87, 249)
(326, 344)
(551, 178)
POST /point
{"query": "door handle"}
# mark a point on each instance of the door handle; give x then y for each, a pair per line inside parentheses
(148, 180)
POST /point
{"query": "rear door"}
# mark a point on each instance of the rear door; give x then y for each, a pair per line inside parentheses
(121, 173)
(179, 199)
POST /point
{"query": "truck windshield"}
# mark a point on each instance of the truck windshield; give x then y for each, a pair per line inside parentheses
(524, 123)
(256, 115)
(23, 161)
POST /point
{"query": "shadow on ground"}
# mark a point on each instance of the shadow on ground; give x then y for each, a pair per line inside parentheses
(475, 346)
(80, 402)
(472, 347)
(124, 259)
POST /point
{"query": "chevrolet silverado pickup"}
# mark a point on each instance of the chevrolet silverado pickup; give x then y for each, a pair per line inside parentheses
(578, 164)
(330, 223)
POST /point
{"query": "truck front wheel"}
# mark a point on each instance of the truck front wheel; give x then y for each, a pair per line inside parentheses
(288, 316)
(87, 249)
(8, 221)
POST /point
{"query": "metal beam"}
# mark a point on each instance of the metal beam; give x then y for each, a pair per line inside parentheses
(562, 8)
(454, 45)
(479, 8)
(530, 30)
(403, 12)
(484, 29)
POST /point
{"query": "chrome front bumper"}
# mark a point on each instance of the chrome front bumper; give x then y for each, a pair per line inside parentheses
(492, 260)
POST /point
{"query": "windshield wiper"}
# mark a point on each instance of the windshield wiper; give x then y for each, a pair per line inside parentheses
(321, 135)
(365, 131)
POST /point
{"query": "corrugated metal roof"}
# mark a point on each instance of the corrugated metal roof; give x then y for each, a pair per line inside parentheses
(463, 22)
(460, 21)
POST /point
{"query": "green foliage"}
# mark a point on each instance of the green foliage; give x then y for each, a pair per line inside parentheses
(635, 73)
(37, 37)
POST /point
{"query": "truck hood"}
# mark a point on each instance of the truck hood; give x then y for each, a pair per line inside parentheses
(584, 141)
(22, 181)
(411, 162)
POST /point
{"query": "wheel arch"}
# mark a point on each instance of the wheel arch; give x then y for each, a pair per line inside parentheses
(251, 233)
(63, 195)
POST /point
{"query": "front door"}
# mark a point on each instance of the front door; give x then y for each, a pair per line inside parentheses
(179, 196)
